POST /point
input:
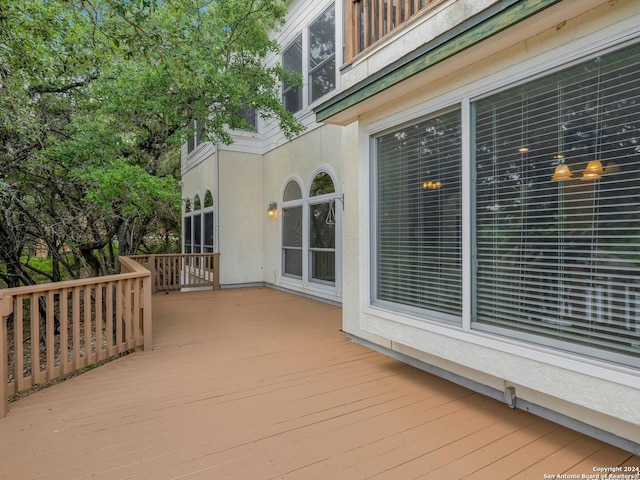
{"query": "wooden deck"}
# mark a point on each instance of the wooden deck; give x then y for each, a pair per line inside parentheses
(260, 384)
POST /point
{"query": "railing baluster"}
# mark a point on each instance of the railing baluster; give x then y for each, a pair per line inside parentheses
(88, 328)
(136, 327)
(18, 332)
(111, 341)
(100, 353)
(50, 341)
(119, 316)
(64, 331)
(128, 308)
(75, 319)
(35, 338)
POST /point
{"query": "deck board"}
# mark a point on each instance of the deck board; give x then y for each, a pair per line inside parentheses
(260, 384)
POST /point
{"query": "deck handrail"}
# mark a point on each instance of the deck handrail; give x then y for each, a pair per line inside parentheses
(59, 321)
(63, 327)
(179, 271)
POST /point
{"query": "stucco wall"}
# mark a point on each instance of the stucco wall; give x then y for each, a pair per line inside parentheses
(301, 159)
(241, 213)
(595, 392)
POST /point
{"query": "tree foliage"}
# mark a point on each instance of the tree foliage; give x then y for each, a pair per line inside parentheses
(96, 97)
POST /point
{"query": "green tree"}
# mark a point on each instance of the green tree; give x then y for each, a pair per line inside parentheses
(96, 97)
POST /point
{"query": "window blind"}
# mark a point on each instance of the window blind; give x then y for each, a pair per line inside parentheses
(557, 213)
(418, 236)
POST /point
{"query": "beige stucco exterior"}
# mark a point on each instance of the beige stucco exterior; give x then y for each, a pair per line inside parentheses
(601, 395)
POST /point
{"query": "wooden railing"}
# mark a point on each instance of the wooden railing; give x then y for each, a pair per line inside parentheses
(174, 272)
(50, 330)
(367, 21)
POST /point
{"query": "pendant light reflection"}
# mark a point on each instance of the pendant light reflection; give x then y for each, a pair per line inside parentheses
(562, 172)
(432, 185)
(593, 171)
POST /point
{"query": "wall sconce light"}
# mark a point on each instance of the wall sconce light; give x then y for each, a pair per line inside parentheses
(593, 171)
(432, 185)
(562, 172)
(272, 209)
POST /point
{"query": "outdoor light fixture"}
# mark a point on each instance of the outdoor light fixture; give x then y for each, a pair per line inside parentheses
(272, 209)
(562, 172)
(593, 171)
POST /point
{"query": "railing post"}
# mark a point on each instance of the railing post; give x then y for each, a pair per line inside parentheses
(6, 309)
(147, 323)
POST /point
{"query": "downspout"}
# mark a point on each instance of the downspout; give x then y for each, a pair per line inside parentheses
(216, 157)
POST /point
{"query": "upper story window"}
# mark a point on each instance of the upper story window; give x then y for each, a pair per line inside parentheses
(198, 136)
(292, 61)
(250, 116)
(314, 60)
(322, 55)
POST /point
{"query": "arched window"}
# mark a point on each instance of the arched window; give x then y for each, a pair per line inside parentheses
(187, 225)
(309, 230)
(199, 225)
(208, 199)
(208, 224)
(322, 229)
(322, 184)
(292, 230)
(196, 220)
(292, 192)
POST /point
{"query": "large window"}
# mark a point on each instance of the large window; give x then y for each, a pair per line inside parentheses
(198, 225)
(309, 224)
(208, 224)
(292, 62)
(322, 55)
(554, 212)
(292, 230)
(313, 57)
(418, 237)
(198, 136)
(322, 229)
(558, 207)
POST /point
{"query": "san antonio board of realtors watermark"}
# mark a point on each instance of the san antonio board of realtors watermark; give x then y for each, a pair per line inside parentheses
(600, 473)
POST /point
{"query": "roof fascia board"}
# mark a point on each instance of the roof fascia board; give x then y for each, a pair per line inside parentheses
(489, 22)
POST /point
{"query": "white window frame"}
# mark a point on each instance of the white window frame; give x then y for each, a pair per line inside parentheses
(575, 52)
(299, 202)
(305, 282)
(190, 215)
(306, 101)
